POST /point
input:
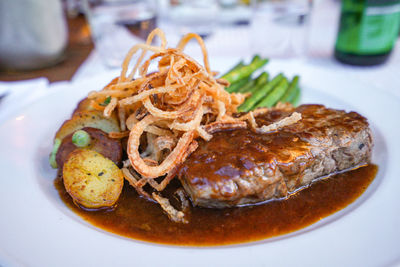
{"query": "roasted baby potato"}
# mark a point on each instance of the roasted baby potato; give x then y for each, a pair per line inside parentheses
(81, 119)
(87, 118)
(86, 105)
(92, 180)
(100, 142)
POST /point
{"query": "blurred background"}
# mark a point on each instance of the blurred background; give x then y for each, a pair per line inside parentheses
(66, 40)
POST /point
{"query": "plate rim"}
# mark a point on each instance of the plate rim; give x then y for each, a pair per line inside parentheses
(16, 114)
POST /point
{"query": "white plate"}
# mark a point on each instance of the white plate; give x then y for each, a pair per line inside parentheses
(37, 229)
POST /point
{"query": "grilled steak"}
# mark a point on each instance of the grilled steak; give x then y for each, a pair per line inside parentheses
(240, 167)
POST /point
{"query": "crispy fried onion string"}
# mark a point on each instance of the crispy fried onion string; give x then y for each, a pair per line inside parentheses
(293, 118)
(172, 160)
(173, 214)
(165, 111)
(133, 181)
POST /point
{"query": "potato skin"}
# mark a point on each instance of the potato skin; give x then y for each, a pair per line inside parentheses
(92, 180)
(87, 118)
(100, 142)
(84, 104)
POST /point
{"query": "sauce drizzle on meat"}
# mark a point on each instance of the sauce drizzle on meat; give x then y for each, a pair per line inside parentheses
(140, 219)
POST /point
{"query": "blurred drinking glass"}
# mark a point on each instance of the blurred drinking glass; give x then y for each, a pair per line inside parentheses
(184, 16)
(234, 12)
(279, 28)
(33, 34)
(116, 24)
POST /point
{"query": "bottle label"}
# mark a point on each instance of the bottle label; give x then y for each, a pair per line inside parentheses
(382, 10)
(370, 30)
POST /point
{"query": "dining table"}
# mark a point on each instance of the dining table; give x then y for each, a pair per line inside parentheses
(33, 103)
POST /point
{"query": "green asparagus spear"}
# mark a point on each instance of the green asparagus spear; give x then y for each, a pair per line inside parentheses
(290, 92)
(237, 66)
(259, 93)
(245, 88)
(293, 96)
(238, 85)
(261, 79)
(272, 98)
(255, 58)
(244, 71)
(296, 99)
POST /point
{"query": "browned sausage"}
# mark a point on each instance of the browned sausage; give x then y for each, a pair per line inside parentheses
(100, 142)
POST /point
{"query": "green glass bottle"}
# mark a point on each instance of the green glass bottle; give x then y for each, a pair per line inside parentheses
(367, 32)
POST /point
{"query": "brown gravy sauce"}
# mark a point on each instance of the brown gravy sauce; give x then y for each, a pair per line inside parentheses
(137, 218)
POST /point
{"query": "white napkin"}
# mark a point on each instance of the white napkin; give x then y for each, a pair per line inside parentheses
(93, 66)
(20, 94)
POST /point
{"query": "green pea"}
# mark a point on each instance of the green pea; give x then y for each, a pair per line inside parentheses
(81, 138)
